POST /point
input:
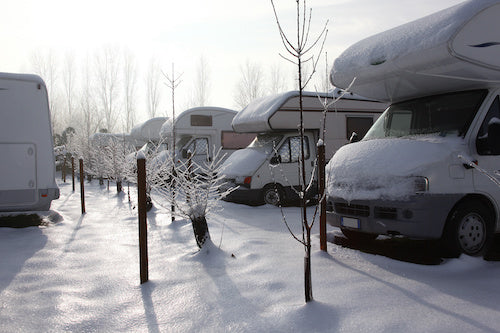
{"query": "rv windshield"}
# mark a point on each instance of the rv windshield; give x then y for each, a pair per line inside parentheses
(447, 114)
(183, 141)
(266, 142)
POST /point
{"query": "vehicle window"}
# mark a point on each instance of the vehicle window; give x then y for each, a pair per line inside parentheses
(360, 125)
(199, 146)
(233, 140)
(446, 114)
(201, 120)
(289, 151)
(488, 137)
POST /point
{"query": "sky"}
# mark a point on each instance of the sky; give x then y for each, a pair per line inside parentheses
(225, 33)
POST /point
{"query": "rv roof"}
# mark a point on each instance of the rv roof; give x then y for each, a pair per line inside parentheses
(458, 45)
(256, 116)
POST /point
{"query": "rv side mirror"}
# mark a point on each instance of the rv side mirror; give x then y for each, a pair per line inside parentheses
(354, 137)
(184, 153)
(275, 160)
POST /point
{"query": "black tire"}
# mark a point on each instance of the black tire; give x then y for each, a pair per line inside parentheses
(469, 229)
(358, 236)
(273, 195)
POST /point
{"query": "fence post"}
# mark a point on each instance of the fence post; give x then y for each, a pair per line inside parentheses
(321, 180)
(63, 169)
(73, 172)
(143, 236)
(82, 186)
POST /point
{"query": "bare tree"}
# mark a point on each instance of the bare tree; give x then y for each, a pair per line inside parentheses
(251, 84)
(69, 80)
(173, 82)
(129, 82)
(45, 65)
(87, 102)
(277, 81)
(107, 75)
(297, 51)
(201, 187)
(153, 91)
(201, 91)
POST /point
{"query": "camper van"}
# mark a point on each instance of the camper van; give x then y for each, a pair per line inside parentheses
(429, 167)
(27, 166)
(267, 170)
(201, 131)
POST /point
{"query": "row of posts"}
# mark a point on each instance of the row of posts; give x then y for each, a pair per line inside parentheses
(142, 199)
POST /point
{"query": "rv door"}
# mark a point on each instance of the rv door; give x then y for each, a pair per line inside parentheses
(200, 150)
(488, 151)
(288, 158)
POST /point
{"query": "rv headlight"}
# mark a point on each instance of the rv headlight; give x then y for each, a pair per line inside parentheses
(421, 184)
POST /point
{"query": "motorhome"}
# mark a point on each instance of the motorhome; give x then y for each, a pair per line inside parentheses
(201, 131)
(267, 170)
(429, 167)
(27, 165)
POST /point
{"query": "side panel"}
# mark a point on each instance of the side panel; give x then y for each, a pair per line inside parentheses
(18, 174)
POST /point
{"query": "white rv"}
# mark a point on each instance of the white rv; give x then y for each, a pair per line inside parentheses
(200, 130)
(27, 166)
(427, 168)
(267, 170)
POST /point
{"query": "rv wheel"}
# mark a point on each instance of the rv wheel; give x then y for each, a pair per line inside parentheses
(469, 229)
(273, 195)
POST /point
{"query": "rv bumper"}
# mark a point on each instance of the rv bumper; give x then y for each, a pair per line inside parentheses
(421, 217)
(245, 195)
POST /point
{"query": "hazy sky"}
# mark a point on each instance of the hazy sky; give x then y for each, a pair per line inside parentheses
(227, 33)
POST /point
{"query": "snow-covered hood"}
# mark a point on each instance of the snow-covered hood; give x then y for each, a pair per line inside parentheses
(243, 162)
(385, 168)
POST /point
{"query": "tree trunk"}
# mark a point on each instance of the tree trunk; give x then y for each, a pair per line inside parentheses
(118, 186)
(307, 269)
(200, 229)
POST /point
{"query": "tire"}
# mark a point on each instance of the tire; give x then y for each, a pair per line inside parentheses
(273, 195)
(358, 236)
(469, 229)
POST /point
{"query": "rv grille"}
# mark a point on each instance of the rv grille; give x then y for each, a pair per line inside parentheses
(352, 210)
(387, 213)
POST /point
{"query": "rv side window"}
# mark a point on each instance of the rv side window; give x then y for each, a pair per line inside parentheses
(290, 149)
(201, 120)
(233, 140)
(360, 125)
(488, 138)
(199, 146)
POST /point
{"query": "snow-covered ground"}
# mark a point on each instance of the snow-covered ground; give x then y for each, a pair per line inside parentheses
(81, 274)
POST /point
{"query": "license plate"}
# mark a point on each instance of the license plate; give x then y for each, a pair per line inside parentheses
(350, 222)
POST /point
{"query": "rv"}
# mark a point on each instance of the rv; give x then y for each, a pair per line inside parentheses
(267, 170)
(201, 131)
(429, 167)
(27, 165)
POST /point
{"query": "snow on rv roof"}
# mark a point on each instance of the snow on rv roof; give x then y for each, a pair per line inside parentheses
(390, 47)
(255, 116)
(148, 130)
(166, 128)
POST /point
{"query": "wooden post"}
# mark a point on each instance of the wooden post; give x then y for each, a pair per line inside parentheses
(63, 169)
(322, 181)
(82, 187)
(73, 172)
(143, 235)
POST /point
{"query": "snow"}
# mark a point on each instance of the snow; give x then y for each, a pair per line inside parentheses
(243, 162)
(381, 168)
(422, 34)
(255, 116)
(81, 274)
